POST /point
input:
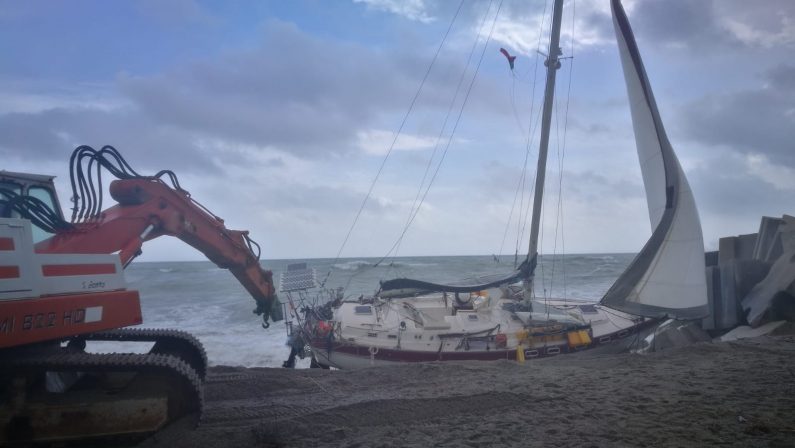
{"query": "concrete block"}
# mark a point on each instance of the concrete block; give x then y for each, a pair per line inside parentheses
(770, 299)
(711, 258)
(713, 289)
(727, 313)
(744, 331)
(775, 250)
(787, 232)
(747, 273)
(744, 246)
(768, 228)
(727, 249)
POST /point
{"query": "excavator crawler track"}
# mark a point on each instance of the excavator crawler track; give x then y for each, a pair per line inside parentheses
(118, 398)
(170, 342)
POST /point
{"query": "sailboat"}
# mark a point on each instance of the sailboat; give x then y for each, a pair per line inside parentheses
(497, 317)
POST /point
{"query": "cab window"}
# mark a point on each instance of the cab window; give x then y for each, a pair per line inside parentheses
(5, 212)
(46, 196)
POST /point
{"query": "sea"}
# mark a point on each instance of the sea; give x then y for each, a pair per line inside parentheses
(208, 302)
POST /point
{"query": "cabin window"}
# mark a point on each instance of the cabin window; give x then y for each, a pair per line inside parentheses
(363, 309)
(372, 335)
(392, 336)
(589, 309)
(473, 317)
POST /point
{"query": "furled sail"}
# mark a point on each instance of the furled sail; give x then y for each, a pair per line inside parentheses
(667, 276)
(471, 284)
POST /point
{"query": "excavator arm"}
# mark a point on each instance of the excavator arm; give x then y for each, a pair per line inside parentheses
(148, 208)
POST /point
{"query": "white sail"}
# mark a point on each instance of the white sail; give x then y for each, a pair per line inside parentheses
(667, 277)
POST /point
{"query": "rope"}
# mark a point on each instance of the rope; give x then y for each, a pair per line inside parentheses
(394, 140)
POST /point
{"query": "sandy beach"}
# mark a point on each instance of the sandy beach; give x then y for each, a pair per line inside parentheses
(728, 394)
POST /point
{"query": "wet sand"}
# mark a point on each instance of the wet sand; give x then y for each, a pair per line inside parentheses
(729, 394)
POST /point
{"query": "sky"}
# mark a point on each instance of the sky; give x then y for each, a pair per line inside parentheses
(278, 116)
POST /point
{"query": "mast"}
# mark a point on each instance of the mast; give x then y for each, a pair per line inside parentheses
(553, 64)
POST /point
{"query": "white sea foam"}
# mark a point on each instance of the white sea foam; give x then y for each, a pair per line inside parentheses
(354, 265)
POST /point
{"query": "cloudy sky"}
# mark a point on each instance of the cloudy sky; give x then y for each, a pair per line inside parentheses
(277, 115)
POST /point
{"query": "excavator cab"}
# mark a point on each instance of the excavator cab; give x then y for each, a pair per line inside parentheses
(38, 186)
(62, 287)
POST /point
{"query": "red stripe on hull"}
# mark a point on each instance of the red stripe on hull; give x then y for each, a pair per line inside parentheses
(7, 244)
(57, 318)
(7, 272)
(62, 270)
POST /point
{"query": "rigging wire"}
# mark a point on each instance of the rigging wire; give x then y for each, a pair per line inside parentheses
(439, 138)
(455, 126)
(561, 152)
(522, 223)
(394, 141)
(559, 208)
(531, 132)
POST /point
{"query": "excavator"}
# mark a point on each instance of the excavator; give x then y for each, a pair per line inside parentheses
(62, 287)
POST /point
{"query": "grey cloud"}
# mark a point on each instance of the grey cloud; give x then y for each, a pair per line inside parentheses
(295, 91)
(724, 188)
(54, 133)
(320, 199)
(710, 24)
(782, 77)
(303, 94)
(750, 121)
(691, 22)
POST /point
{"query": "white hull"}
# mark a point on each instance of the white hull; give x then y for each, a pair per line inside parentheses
(433, 328)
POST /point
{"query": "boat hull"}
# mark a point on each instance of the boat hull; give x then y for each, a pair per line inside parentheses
(348, 355)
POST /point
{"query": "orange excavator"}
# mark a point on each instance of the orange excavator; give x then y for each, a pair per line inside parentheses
(62, 285)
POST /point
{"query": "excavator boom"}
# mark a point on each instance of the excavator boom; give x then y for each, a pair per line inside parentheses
(148, 208)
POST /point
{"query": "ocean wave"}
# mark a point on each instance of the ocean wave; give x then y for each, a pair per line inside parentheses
(357, 265)
(354, 265)
(406, 264)
(166, 270)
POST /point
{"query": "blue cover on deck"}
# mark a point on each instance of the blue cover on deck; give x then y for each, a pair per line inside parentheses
(469, 284)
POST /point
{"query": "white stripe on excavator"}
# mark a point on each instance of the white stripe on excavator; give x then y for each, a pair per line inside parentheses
(93, 314)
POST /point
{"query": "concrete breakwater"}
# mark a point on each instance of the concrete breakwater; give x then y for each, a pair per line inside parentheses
(751, 278)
